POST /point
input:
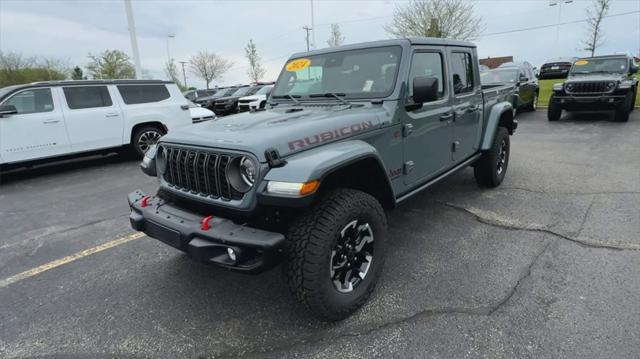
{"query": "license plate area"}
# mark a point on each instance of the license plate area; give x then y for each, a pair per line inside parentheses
(555, 67)
(164, 234)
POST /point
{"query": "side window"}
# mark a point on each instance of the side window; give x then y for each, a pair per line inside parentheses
(462, 72)
(427, 64)
(79, 97)
(32, 101)
(135, 94)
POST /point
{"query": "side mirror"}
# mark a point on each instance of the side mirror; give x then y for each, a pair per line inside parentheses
(524, 79)
(425, 89)
(6, 110)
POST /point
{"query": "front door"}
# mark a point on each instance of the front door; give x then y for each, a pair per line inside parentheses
(467, 103)
(427, 127)
(37, 130)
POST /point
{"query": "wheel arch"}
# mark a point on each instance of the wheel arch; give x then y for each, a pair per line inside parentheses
(138, 126)
(501, 115)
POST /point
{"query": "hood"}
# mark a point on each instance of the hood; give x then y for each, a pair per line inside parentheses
(595, 77)
(287, 129)
(198, 112)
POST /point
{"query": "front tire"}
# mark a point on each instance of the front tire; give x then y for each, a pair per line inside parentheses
(335, 253)
(533, 106)
(490, 170)
(554, 112)
(624, 109)
(633, 99)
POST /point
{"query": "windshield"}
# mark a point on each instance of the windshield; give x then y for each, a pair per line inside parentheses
(498, 76)
(265, 90)
(362, 73)
(242, 91)
(611, 65)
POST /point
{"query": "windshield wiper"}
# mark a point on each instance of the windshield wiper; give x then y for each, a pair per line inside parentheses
(290, 97)
(337, 96)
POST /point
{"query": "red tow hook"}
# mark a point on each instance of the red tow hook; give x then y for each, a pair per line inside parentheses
(144, 202)
(204, 224)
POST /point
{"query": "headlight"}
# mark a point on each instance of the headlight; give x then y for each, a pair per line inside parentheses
(242, 173)
(570, 87)
(626, 84)
(557, 87)
(247, 171)
(611, 85)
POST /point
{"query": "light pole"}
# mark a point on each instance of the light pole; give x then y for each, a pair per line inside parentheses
(184, 74)
(559, 4)
(134, 40)
(170, 36)
(307, 29)
(313, 28)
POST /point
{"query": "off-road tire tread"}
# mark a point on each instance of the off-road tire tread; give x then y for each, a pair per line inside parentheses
(553, 112)
(304, 248)
(483, 170)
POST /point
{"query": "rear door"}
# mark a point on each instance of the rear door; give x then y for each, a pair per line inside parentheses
(467, 102)
(427, 129)
(37, 130)
(94, 120)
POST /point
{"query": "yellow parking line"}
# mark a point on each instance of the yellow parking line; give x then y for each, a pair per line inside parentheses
(68, 259)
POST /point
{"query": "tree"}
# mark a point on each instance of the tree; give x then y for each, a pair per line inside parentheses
(171, 72)
(336, 38)
(111, 64)
(255, 71)
(77, 74)
(598, 11)
(18, 69)
(208, 66)
(452, 19)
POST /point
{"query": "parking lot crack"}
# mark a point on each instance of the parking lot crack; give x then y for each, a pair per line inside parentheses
(496, 220)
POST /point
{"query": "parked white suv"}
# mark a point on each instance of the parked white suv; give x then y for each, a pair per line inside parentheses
(57, 118)
(256, 101)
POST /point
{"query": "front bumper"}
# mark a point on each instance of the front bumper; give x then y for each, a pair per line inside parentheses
(256, 250)
(588, 103)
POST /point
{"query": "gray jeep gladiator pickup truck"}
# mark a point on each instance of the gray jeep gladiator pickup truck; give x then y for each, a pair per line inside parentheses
(601, 83)
(349, 132)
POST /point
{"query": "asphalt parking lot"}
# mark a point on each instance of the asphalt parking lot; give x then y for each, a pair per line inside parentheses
(547, 265)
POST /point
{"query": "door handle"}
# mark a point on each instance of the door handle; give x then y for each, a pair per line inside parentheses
(111, 115)
(50, 121)
(446, 117)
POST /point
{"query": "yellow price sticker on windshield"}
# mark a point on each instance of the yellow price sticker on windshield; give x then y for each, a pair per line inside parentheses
(297, 65)
(581, 62)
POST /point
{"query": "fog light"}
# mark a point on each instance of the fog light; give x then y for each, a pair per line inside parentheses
(232, 254)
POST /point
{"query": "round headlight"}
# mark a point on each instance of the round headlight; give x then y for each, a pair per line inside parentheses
(611, 85)
(241, 174)
(570, 87)
(247, 171)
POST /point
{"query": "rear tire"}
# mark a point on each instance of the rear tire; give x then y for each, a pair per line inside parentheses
(623, 111)
(322, 252)
(554, 112)
(490, 170)
(145, 137)
(534, 103)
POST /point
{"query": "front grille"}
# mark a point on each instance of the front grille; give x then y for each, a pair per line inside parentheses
(244, 101)
(199, 172)
(587, 87)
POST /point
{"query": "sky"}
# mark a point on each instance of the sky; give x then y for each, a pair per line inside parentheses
(71, 29)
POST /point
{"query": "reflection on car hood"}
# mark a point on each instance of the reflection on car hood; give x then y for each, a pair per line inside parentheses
(287, 129)
(594, 77)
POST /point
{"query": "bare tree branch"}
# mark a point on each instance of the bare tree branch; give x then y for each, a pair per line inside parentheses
(336, 38)
(595, 14)
(255, 71)
(208, 66)
(452, 19)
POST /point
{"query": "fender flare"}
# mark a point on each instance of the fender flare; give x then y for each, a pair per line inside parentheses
(318, 163)
(493, 121)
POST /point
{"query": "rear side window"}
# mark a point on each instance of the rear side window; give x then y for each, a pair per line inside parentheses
(134, 94)
(79, 97)
(32, 101)
(462, 72)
